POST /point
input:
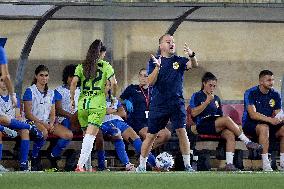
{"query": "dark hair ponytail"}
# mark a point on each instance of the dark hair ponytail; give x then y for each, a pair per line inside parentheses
(90, 64)
(41, 68)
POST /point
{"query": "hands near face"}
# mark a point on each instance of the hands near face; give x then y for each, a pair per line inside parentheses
(209, 98)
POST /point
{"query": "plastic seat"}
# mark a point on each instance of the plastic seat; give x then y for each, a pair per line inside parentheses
(234, 111)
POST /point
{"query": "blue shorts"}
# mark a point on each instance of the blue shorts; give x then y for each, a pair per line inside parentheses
(159, 117)
(114, 127)
(137, 123)
(249, 128)
(3, 58)
(207, 126)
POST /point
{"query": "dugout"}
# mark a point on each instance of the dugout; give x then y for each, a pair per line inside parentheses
(232, 39)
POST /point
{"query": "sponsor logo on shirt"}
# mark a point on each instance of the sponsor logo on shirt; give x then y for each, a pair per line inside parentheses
(175, 65)
(272, 103)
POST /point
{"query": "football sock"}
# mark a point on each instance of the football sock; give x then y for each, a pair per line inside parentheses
(229, 157)
(38, 144)
(101, 159)
(88, 164)
(282, 160)
(24, 151)
(243, 138)
(120, 150)
(137, 144)
(86, 150)
(143, 161)
(265, 159)
(186, 160)
(59, 147)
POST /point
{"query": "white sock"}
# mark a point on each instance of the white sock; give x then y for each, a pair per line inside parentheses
(143, 161)
(282, 159)
(229, 157)
(186, 160)
(86, 150)
(88, 164)
(265, 159)
(244, 138)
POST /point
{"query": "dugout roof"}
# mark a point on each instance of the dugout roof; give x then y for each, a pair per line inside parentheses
(146, 11)
(116, 11)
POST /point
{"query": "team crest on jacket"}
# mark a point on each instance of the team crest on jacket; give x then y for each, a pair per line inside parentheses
(175, 65)
(272, 103)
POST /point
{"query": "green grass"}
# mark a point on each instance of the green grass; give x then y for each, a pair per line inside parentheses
(118, 180)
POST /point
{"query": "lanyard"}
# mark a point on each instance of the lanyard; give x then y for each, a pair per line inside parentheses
(147, 98)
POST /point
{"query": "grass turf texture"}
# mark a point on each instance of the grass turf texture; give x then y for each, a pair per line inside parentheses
(118, 180)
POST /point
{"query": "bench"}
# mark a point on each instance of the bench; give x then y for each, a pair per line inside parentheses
(250, 159)
(212, 145)
(10, 152)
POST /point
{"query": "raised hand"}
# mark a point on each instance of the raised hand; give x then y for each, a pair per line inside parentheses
(156, 61)
(187, 50)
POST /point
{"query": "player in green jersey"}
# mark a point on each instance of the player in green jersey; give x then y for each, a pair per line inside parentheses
(93, 74)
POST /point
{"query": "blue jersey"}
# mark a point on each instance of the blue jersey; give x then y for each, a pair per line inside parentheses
(169, 84)
(139, 97)
(264, 103)
(213, 109)
(3, 58)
